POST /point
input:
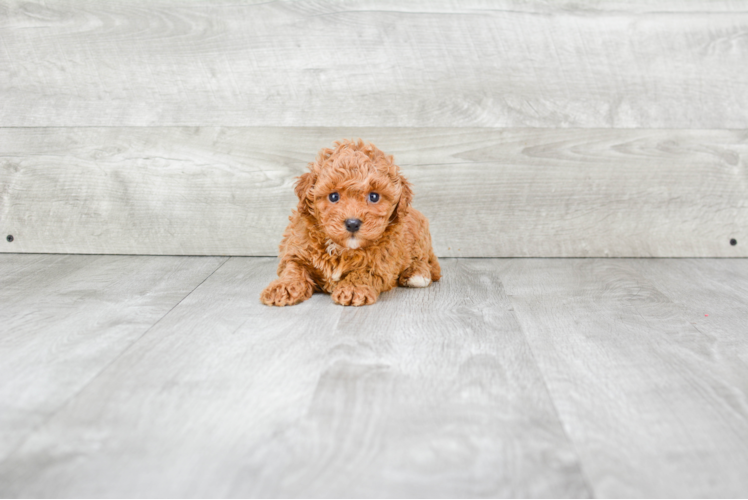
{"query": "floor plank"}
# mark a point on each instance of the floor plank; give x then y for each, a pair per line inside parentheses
(63, 319)
(712, 294)
(430, 392)
(611, 378)
(654, 401)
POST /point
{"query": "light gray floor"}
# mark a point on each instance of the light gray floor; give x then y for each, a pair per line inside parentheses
(165, 376)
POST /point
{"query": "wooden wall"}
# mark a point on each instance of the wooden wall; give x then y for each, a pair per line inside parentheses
(546, 129)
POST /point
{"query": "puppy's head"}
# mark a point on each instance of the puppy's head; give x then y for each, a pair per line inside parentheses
(354, 191)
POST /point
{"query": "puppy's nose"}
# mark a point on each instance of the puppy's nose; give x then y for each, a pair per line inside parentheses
(353, 225)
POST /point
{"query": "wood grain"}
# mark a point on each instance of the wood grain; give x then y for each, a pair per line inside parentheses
(712, 296)
(654, 402)
(429, 393)
(64, 319)
(376, 63)
(487, 192)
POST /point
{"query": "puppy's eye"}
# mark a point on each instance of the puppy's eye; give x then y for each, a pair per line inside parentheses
(333, 197)
(373, 197)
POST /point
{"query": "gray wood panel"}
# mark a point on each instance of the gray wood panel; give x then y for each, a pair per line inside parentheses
(487, 192)
(713, 295)
(431, 392)
(582, 63)
(654, 401)
(64, 319)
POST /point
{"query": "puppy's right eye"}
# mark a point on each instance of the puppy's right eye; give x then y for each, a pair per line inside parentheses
(333, 197)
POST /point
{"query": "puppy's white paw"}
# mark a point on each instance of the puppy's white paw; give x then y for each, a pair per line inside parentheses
(417, 281)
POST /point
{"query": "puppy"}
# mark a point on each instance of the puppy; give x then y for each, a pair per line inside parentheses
(354, 234)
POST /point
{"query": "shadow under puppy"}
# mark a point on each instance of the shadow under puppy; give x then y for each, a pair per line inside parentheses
(354, 233)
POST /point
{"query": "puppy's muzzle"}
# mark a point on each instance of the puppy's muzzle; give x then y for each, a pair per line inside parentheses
(353, 225)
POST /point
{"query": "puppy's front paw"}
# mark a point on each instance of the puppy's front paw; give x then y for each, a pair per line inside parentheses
(354, 295)
(286, 293)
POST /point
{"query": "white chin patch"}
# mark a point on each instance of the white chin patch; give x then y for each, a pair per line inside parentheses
(352, 243)
(419, 281)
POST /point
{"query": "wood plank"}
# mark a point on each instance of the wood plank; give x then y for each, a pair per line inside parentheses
(487, 192)
(654, 405)
(712, 296)
(431, 392)
(581, 63)
(66, 318)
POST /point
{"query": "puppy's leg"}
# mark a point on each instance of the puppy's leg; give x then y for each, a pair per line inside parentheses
(436, 270)
(295, 285)
(417, 275)
(357, 289)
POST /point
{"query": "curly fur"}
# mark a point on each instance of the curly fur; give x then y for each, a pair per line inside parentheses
(318, 254)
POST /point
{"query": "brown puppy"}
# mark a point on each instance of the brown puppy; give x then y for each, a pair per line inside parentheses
(354, 233)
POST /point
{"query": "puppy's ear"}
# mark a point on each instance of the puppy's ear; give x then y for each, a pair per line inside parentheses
(406, 198)
(303, 188)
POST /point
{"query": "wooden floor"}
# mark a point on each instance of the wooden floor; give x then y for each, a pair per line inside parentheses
(165, 376)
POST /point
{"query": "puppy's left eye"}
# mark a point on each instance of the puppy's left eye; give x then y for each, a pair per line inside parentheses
(373, 197)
